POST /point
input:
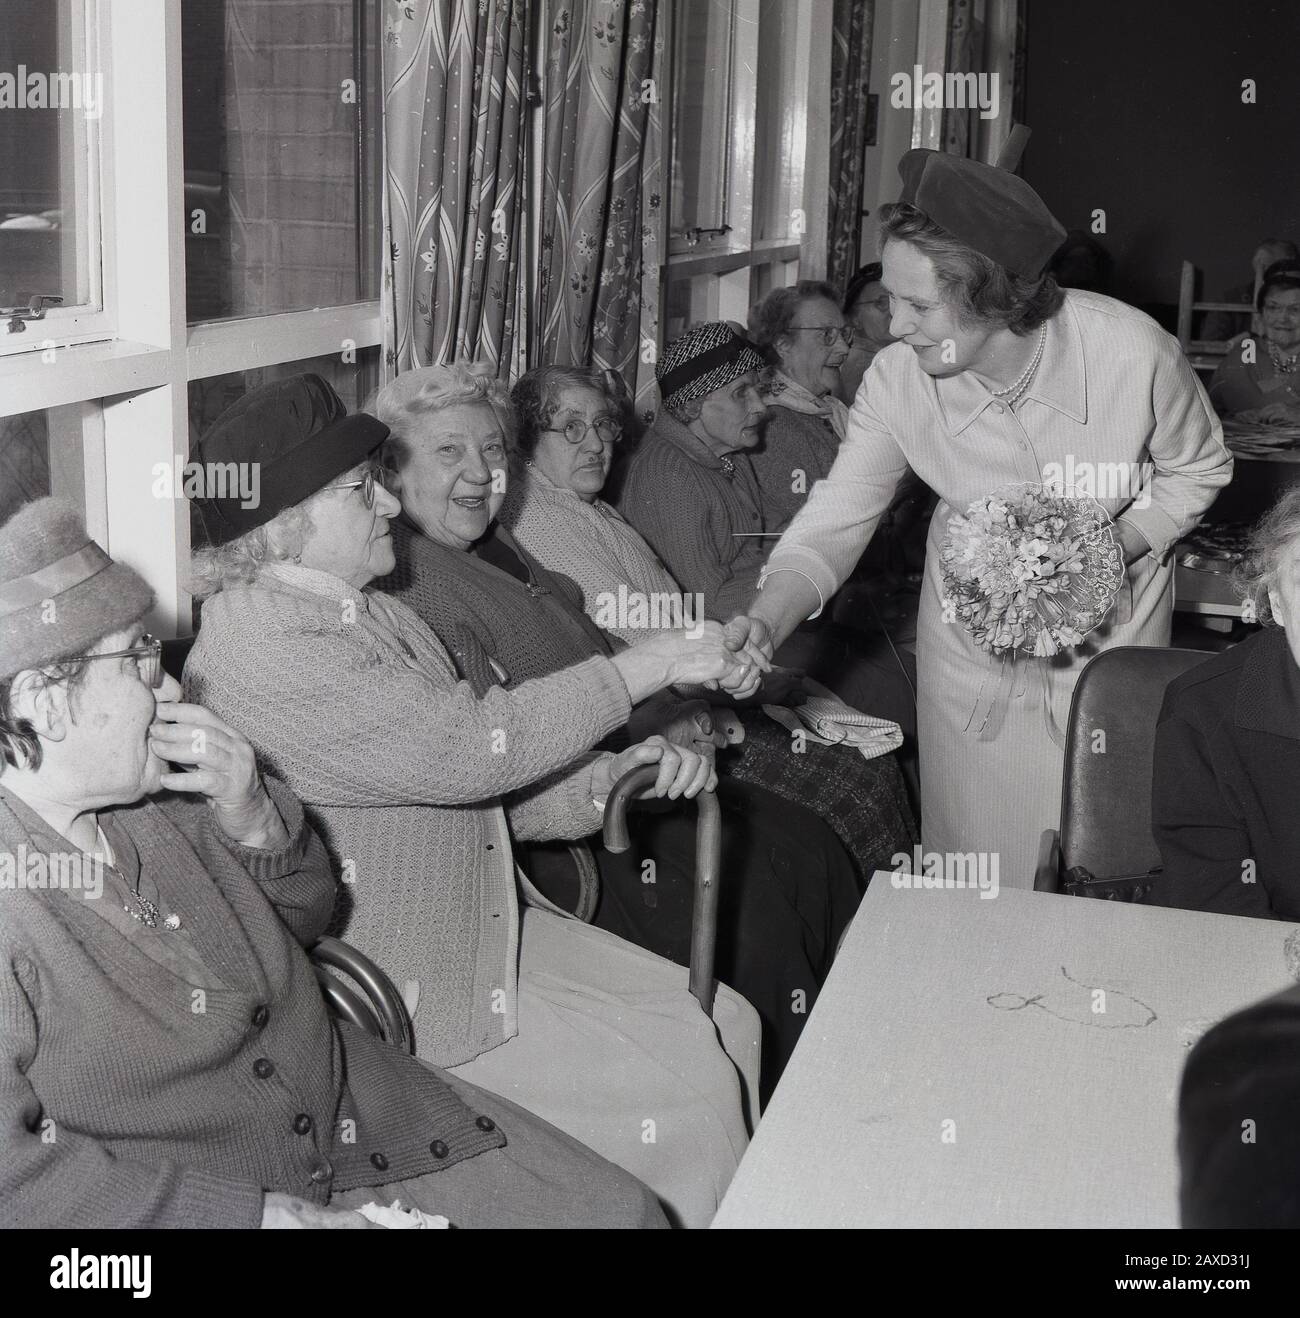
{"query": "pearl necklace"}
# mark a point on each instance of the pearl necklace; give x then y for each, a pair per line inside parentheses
(1011, 394)
(1282, 364)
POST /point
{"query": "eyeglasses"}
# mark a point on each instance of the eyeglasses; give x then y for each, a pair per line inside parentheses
(830, 333)
(366, 485)
(147, 654)
(608, 430)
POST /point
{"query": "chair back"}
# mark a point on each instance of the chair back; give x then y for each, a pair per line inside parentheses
(1204, 354)
(1106, 792)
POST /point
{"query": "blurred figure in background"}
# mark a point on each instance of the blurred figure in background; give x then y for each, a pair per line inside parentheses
(1257, 380)
(1227, 324)
(866, 304)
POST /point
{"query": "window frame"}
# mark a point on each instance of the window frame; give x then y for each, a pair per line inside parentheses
(134, 381)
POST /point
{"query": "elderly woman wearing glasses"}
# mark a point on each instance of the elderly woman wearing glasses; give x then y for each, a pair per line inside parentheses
(790, 887)
(166, 1058)
(807, 337)
(417, 783)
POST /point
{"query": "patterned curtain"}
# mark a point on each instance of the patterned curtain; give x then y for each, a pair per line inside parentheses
(454, 165)
(986, 36)
(850, 67)
(602, 211)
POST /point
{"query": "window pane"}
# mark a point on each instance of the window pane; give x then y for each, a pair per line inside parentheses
(778, 126)
(354, 382)
(701, 114)
(49, 107)
(281, 166)
(43, 453)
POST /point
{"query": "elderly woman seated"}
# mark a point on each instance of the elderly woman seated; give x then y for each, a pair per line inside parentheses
(808, 338)
(1257, 380)
(416, 782)
(790, 887)
(1227, 757)
(166, 1058)
(866, 305)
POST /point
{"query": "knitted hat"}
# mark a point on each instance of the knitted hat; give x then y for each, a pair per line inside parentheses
(989, 209)
(705, 358)
(59, 591)
(298, 436)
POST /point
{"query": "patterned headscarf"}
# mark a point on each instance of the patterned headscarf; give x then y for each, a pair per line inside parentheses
(705, 358)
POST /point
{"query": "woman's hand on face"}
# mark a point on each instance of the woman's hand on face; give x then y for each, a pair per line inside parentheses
(224, 770)
(285, 1212)
(682, 771)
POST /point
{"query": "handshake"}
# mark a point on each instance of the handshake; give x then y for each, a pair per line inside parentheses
(731, 659)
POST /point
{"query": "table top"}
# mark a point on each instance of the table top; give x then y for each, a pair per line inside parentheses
(1011, 1062)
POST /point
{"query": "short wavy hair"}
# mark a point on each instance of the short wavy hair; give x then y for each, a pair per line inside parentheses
(1273, 536)
(405, 402)
(773, 317)
(981, 290)
(238, 561)
(536, 396)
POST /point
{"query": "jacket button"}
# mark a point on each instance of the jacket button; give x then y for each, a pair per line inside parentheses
(322, 1172)
(302, 1124)
(378, 1160)
(260, 1016)
(439, 1149)
(263, 1069)
(485, 1123)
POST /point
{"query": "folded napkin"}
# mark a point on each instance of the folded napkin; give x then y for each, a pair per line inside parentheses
(396, 1218)
(827, 720)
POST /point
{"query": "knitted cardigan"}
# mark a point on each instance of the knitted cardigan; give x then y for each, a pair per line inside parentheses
(590, 544)
(128, 1095)
(798, 450)
(349, 698)
(698, 518)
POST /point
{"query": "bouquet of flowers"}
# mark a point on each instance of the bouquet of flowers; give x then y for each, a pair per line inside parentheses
(1030, 571)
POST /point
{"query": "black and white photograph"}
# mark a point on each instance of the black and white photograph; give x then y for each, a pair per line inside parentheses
(650, 614)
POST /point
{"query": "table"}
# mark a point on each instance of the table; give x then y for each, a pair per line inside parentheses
(947, 1007)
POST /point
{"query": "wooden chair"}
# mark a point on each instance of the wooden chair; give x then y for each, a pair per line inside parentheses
(1203, 354)
(1106, 788)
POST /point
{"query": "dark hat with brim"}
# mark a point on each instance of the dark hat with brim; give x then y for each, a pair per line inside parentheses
(283, 443)
(60, 592)
(705, 358)
(991, 210)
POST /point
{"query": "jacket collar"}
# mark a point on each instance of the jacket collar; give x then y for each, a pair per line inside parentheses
(667, 427)
(1059, 383)
(1268, 694)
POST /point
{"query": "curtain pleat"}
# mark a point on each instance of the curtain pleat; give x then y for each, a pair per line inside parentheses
(850, 70)
(453, 165)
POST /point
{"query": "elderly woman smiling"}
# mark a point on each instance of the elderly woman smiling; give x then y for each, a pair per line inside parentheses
(412, 776)
(1227, 757)
(166, 1059)
(791, 888)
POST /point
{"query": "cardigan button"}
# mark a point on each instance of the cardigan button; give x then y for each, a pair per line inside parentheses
(378, 1160)
(485, 1123)
(439, 1149)
(322, 1172)
(263, 1069)
(260, 1016)
(302, 1124)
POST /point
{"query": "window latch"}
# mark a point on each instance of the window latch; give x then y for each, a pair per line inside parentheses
(694, 235)
(34, 310)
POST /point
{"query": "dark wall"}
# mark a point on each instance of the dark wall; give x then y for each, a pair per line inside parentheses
(1135, 107)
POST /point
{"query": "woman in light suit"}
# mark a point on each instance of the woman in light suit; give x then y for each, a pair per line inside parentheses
(1000, 378)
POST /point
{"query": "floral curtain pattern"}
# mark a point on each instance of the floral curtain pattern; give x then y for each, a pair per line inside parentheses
(602, 211)
(454, 167)
(974, 32)
(850, 68)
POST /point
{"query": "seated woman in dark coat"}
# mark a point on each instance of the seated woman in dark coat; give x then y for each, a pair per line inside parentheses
(1258, 380)
(1227, 757)
(790, 889)
(166, 1058)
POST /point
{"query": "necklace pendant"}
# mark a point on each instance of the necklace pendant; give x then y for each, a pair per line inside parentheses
(146, 912)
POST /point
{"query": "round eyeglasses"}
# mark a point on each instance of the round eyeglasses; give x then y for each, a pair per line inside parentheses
(147, 653)
(373, 477)
(830, 333)
(608, 430)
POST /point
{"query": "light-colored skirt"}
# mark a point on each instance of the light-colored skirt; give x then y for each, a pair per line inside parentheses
(614, 1051)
